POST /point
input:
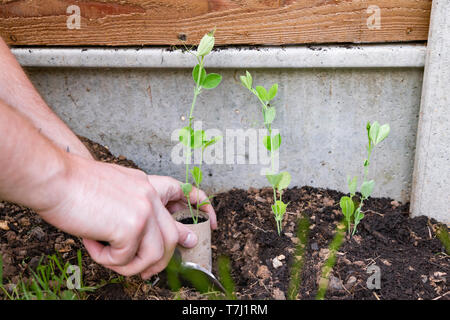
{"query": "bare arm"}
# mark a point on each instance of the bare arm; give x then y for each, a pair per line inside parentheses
(90, 199)
(17, 91)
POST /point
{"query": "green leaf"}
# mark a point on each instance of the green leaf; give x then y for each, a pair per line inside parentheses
(211, 142)
(262, 93)
(352, 184)
(211, 81)
(347, 207)
(378, 133)
(195, 75)
(279, 209)
(367, 188)
(373, 132)
(285, 180)
(274, 179)
(197, 139)
(186, 188)
(276, 140)
(203, 203)
(205, 46)
(185, 136)
(383, 133)
(273, 91)
(269, 115)
(197, 175)
(247, 80)
(358, 217)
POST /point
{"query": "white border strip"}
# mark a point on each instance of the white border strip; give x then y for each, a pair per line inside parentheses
(355, 56)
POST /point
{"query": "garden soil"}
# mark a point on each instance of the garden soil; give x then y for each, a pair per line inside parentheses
(412, 261)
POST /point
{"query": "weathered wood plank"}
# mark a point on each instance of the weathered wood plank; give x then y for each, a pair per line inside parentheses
(158, 22)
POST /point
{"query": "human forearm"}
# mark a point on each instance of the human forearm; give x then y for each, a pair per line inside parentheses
(18, 92)
(31, 166)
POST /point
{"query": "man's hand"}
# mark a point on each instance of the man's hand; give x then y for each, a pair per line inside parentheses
(107, 202)
(171, 195)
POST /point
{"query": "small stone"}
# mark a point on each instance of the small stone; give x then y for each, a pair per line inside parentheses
(276, 263)
(386, 262)
(289, 234)
(37, 233)
(314, 246)
(323, 253)
(278, 294)
(328, 202)
(263, 272)
(395, 203)
(335, 284)
(121, 157)
(4, 225)
(259, 199)
(424, 278)
(281, 257)
(295, 240)
(351, 281)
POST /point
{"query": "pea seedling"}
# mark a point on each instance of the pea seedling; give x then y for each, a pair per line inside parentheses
(279, 181)
(196, 139)
(351, 206)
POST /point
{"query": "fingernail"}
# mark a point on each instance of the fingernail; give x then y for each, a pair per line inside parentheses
(191, 240)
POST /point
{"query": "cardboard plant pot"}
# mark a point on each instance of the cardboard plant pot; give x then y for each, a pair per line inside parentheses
(201, 253)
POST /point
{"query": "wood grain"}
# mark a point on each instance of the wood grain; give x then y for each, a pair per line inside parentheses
(158, 22)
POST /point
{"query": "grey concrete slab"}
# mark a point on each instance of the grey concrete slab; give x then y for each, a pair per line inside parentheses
(431, 187)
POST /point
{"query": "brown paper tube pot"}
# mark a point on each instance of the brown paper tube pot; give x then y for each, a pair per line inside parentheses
(201, 253)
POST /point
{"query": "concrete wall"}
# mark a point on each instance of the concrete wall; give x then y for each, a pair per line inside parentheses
(322, 113)
(432, 163)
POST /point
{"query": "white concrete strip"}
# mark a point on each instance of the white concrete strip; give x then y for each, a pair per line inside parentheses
(355, 56)
(431, 181)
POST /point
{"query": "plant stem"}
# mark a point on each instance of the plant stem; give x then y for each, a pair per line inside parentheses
(197, 90)
(272, 162)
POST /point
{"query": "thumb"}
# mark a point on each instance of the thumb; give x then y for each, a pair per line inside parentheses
(186, 237)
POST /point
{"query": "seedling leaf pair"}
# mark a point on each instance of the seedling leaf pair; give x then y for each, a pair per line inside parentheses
(272, 144)
(206, 44)
(378, 133)
(279, 181)
(197, 175)
(279, 209)
(204, 80)
(191, 138)
(265, 95)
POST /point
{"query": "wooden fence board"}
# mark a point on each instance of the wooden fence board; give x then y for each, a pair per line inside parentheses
(258, 22)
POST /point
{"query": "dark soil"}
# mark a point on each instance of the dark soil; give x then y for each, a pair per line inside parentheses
(412, 260)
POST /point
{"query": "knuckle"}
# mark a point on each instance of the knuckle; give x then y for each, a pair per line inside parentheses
(158, 253)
